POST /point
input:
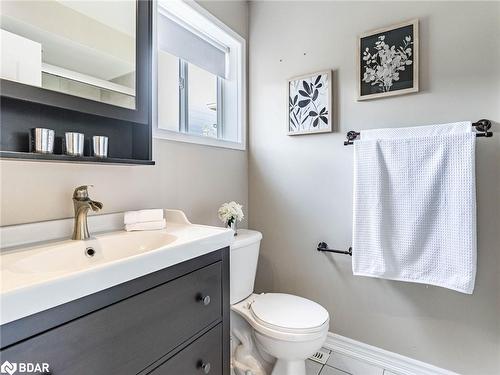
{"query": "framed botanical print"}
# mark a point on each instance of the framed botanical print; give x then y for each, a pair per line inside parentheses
(310, 103)
(388, 61)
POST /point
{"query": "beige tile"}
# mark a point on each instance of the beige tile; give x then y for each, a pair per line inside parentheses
(327, 370)
(313, 368)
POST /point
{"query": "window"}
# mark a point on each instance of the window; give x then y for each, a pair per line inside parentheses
(200, 73)
(202, 103)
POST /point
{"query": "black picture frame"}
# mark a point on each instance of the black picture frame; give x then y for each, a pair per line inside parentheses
(400, 66)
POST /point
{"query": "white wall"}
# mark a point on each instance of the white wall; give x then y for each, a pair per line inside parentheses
(21, 59)
(53, 18)
(191, 177)
(301, 187)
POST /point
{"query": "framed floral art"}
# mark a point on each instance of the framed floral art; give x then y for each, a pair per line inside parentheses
(388, 61)
(310, 103)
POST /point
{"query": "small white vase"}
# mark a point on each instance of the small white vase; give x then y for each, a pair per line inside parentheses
(233, 226)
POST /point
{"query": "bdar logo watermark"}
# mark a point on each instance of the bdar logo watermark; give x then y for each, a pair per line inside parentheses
(24, 368)
(8, 368)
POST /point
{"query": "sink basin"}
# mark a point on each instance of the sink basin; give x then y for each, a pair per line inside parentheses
(71, 256)
(35, 276)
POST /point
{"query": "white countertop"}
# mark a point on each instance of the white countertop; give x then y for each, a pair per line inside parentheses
(37, 277)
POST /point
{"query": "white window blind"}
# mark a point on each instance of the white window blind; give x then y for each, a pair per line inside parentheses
(179, 41)
(199, 95)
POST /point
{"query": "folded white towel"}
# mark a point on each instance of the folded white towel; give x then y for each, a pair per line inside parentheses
(141, 216)
(148, 225)
(414, 213)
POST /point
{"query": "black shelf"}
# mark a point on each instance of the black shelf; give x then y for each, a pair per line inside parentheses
(129, 142)
(74, 159)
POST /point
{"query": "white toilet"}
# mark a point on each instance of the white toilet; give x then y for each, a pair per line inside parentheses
(271, 333)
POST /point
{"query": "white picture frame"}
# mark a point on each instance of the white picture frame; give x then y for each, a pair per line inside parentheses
(314, 114)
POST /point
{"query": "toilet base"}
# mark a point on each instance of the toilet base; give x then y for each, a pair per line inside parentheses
(287, 367)
(290, 349)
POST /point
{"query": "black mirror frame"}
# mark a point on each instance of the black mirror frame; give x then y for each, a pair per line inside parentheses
(19, 91)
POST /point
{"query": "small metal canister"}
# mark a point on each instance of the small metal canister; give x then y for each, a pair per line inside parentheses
(100, 146)
(74, 143)
(42, 140)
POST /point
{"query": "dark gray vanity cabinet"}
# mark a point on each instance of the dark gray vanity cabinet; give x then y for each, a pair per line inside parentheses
(174, 321)
(203, 355)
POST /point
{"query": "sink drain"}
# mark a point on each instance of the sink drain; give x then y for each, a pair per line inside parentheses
(90, 252)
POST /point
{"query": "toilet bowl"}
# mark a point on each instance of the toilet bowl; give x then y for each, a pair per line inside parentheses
(281, 331)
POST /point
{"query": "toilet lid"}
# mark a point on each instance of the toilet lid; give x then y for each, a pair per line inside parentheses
(288, 311)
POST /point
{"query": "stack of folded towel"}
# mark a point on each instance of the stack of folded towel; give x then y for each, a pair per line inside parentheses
(144, 220)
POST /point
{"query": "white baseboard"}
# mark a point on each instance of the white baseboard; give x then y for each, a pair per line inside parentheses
(385, 359)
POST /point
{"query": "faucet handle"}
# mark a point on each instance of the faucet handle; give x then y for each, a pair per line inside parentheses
(81, 192)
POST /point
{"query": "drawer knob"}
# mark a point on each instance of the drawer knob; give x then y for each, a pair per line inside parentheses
(205, 367)
(204, 299)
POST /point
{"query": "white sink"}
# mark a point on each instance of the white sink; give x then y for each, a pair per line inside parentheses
(37, 277)
(71, 256)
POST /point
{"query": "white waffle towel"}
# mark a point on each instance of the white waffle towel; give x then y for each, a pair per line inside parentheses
(147, 225)
(418, 131)
(414, 213)
(142, 216)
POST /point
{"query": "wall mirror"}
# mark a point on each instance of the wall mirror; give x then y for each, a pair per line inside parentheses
(85, 55)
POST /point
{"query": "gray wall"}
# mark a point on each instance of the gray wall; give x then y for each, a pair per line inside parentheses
(194, 178)
(301, 187)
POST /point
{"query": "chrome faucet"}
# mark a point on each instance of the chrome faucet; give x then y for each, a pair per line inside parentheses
(82, 204)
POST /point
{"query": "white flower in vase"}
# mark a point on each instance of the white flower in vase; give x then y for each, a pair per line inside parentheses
(230, 213)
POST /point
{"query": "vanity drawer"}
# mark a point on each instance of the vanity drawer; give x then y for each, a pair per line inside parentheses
(204, 356)
(127, 336)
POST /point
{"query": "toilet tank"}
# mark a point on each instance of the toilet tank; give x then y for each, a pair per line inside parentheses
(243, 263)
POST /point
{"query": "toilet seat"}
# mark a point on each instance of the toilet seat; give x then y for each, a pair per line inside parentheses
(284, 316)
(288, 313)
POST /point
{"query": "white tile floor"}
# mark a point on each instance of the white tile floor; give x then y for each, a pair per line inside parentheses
(340, 364)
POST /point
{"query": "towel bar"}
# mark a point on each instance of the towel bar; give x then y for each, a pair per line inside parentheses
(482, 130)
(323, 246)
